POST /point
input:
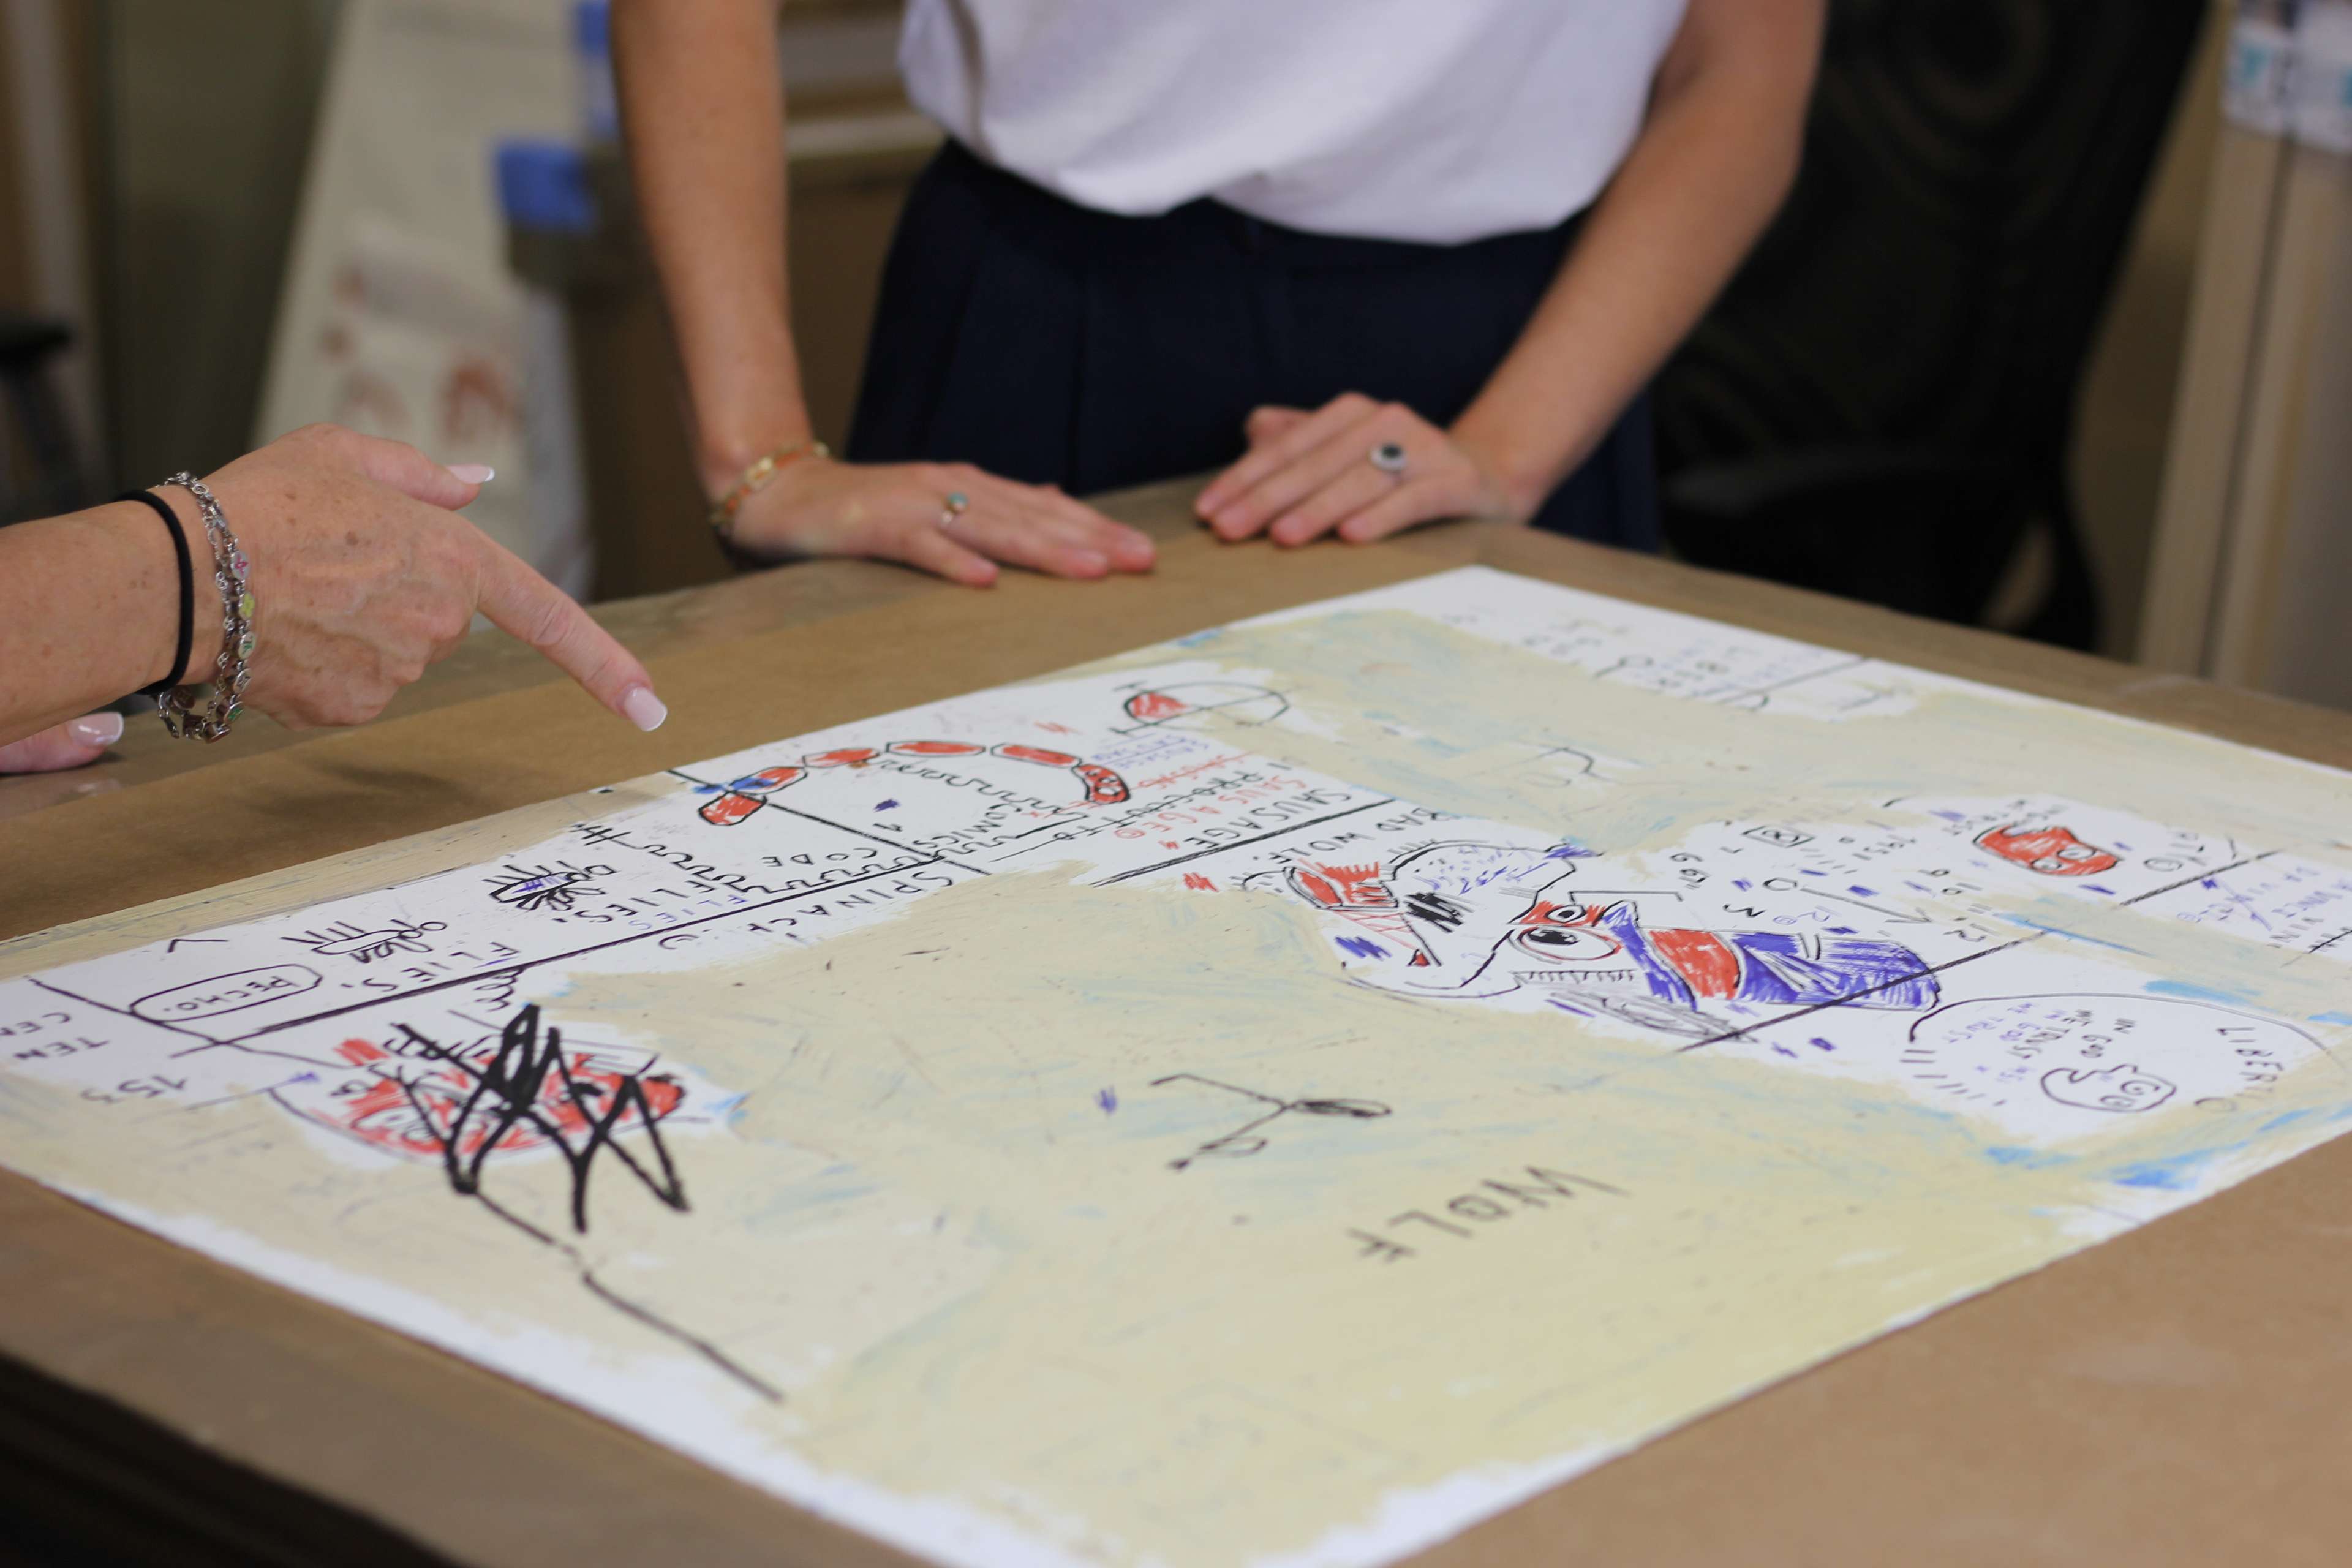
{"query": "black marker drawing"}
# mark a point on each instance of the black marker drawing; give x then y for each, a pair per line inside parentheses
(519, 1091)
(1194, 704)
(344, 939)
(557, 887)
(1243, 1140)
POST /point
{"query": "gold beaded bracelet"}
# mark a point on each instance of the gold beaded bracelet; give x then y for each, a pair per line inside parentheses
(757, 478)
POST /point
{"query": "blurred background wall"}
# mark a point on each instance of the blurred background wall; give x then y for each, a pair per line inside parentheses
(195, 133)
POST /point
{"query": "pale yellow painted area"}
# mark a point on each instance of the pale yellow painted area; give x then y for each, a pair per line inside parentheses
(943, 1219)
(1203, 1360)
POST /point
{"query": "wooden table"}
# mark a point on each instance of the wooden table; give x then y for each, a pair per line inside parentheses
(2120, 1405)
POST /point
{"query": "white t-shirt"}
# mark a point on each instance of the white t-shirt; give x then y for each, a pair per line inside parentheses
(1422, 120)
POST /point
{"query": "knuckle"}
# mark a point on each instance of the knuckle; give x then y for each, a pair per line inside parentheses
(549, 620)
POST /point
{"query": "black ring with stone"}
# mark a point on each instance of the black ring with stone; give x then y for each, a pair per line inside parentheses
(1390, 458)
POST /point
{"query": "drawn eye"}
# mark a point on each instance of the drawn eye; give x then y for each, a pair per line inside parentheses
(1566, 944)
(2048, 863)
(2076, 852)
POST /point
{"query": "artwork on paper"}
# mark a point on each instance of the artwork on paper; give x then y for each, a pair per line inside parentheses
(1055, 1126)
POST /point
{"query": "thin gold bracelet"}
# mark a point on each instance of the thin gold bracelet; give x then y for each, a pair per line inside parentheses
(757, 478)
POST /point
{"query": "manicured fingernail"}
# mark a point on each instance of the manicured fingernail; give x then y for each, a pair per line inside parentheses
(97, 730)
(479, 474)
(1088, 562)
(643, 709)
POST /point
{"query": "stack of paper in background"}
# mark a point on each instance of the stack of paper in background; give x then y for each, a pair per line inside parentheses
(400, 317)
(2253, 537)
(2290, 72)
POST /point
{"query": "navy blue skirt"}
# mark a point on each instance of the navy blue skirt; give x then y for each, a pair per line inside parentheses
(1052, 343)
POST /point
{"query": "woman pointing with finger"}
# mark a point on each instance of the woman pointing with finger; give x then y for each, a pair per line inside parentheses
(1402, 260)
(308, 580)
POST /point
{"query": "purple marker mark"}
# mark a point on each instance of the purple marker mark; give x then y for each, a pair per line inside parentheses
(1784, 1050)
(1860, 891)
(1107, 1099)
(1823, 1044)
(886, 806)
(1362, 947)
(2093, 887)
(1741, 883)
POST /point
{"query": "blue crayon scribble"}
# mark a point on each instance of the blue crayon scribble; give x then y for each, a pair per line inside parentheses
(2032, 1159)
(1362, 947)
(1107, 1099)
(2332, 1017)
(2194, 993)
(886, 806)
(1860, 891)
(1823, 1044)
(2173, 1174)
(2070, 933)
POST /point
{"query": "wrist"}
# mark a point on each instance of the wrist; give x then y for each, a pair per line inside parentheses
(722, 461)
(152, 574)
(210, 609)
(1525, 469)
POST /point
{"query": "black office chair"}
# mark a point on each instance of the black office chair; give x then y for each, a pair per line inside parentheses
(51, 480)
(1881, 404)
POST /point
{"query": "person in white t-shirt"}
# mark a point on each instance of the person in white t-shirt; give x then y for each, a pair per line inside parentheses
(1379, 261)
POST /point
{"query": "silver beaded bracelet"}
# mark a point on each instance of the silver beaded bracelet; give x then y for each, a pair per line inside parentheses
(231, 673)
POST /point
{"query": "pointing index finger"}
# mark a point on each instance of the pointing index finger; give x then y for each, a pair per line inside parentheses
(521, 601)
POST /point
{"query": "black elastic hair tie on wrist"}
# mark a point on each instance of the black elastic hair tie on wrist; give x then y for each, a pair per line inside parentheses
(179, 674)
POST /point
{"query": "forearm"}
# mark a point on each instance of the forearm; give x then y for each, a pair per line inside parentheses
(1713, 160)
(90, 610)
(703, 104)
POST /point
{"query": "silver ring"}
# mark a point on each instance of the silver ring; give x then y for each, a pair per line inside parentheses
(953, 506)
(1390, 458)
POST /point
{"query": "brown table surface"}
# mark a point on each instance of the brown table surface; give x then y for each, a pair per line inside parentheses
(2181, 1394)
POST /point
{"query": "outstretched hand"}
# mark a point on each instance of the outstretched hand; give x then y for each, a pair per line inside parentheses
(1308, 474)
(900, 511)
(365, 574)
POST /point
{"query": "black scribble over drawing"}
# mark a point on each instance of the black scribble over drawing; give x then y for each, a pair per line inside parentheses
(1245, 1140)
(528, 1093)
(463, 1105)
(344, 939)
(557, 887)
